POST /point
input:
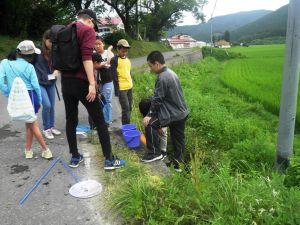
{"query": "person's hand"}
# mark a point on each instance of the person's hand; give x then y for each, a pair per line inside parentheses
(146, 120)
(56, 73)
(110, 48)
(103, 64)
(92, 93)
(160, 131)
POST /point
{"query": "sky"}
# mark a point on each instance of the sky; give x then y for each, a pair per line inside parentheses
(225, 7)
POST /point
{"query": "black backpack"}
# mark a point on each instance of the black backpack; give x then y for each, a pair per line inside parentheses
(65, 48)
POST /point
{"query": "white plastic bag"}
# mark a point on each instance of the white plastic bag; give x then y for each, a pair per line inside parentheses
(19, 105)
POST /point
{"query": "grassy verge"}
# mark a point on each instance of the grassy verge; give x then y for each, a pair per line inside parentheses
(230, 149)
(143, 48)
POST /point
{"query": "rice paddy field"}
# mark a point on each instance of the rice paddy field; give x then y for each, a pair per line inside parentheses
(258, 75)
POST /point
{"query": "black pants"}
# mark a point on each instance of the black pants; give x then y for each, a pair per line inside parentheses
(177, 137)
(75, 90)
(125, 98)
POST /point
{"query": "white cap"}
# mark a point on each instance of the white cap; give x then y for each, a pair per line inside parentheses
(27, 48)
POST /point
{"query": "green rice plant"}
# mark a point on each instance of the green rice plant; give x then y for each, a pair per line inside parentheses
(258, 76)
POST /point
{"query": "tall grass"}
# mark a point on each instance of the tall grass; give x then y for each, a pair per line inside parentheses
(230, 150)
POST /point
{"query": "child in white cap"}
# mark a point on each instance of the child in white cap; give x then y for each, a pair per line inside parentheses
(18, 64)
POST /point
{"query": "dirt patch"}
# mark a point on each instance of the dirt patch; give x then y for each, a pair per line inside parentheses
(18, 169)
(5, 132)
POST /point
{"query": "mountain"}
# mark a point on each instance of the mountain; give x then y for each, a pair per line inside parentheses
(271, 25)
(220, 24)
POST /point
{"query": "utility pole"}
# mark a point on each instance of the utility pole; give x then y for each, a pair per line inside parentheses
(137, 20)
(211, 27)
(289, 92)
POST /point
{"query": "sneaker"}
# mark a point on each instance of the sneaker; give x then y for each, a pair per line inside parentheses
(75, 161)
(48, 134)
(28, 154)
(115, 163)
(55, 131)
(164, 154)
(175, 164)
(151, 158)
(47, 154)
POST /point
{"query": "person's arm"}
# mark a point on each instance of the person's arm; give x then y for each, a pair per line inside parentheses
(114, 65)
(157, 99)
(110, 54)
(35, 83)
(99, 65)
(86, 48)
(89, 69)
(3, 80)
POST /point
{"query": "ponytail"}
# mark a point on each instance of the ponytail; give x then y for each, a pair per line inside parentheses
(12, 55)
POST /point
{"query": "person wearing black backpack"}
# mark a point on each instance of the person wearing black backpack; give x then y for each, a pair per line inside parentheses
(78, 84)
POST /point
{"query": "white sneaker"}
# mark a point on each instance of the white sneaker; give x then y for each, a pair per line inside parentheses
(47, 154)
(55, 131)
(28, 154)
(48, 134)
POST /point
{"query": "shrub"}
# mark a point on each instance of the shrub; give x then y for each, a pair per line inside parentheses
(292, 178)
(113, 38)
(220, 54)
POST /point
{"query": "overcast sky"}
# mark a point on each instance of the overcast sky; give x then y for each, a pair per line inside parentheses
(225, 7)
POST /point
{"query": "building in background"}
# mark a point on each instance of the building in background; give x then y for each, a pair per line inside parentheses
(183, 41)
(222, 44)
(109, 25)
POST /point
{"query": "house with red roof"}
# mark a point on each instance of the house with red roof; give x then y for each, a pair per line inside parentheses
(182, 41)
(109, 25)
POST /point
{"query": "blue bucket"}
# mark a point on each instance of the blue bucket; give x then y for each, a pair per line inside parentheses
(127, 127)
(132, 138)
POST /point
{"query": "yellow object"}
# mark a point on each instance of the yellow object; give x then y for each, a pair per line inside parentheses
(143, 139)
(124, 76)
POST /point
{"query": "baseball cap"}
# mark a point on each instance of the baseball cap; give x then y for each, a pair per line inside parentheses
(123, 43)
(27, 48)
(91, 14)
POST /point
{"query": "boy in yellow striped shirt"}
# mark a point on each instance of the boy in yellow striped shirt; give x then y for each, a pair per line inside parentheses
(121, 69)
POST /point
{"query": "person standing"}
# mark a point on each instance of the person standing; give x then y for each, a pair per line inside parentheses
(101, 59)
(80, 86)
(121, 69)
(47, 79)
(18, 64)
(168, 109)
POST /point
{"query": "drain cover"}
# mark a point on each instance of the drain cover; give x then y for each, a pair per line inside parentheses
(86, 189)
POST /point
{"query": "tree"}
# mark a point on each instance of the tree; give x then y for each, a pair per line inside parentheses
(227, 36)
(78, 4)
(126, 11)
(30, 18)
(161, 15)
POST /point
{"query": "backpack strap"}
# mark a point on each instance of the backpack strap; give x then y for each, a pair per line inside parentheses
(17, 74)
